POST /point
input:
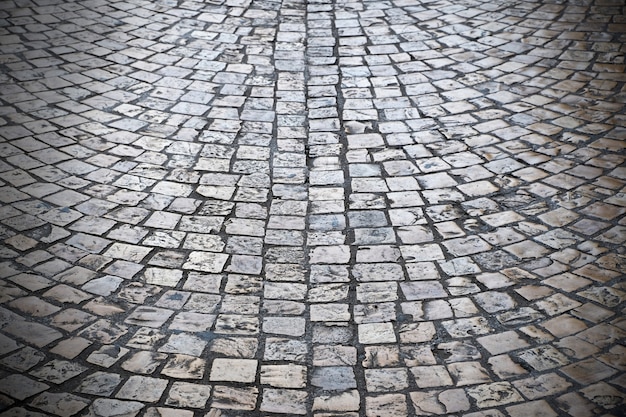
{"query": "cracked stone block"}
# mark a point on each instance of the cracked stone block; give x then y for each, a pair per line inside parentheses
(431, 403)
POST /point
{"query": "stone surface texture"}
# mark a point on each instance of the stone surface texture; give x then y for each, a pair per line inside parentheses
(324, 208)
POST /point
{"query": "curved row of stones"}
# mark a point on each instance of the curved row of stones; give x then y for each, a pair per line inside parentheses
(328, 208)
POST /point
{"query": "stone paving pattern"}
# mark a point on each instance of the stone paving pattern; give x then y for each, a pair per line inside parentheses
(325, 208)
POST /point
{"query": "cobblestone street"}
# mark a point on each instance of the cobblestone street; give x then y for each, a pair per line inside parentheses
(264, 208)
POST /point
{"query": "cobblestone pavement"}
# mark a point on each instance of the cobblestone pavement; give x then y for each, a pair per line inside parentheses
(326, 208)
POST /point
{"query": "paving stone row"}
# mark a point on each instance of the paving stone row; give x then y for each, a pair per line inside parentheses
(328, 208)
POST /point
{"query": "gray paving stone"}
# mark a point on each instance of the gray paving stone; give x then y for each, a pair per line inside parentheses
(420, 203)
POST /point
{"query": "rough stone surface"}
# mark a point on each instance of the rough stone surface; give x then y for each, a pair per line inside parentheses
(263, 208)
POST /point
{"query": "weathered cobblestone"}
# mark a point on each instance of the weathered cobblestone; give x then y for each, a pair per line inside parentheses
(255, 208)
